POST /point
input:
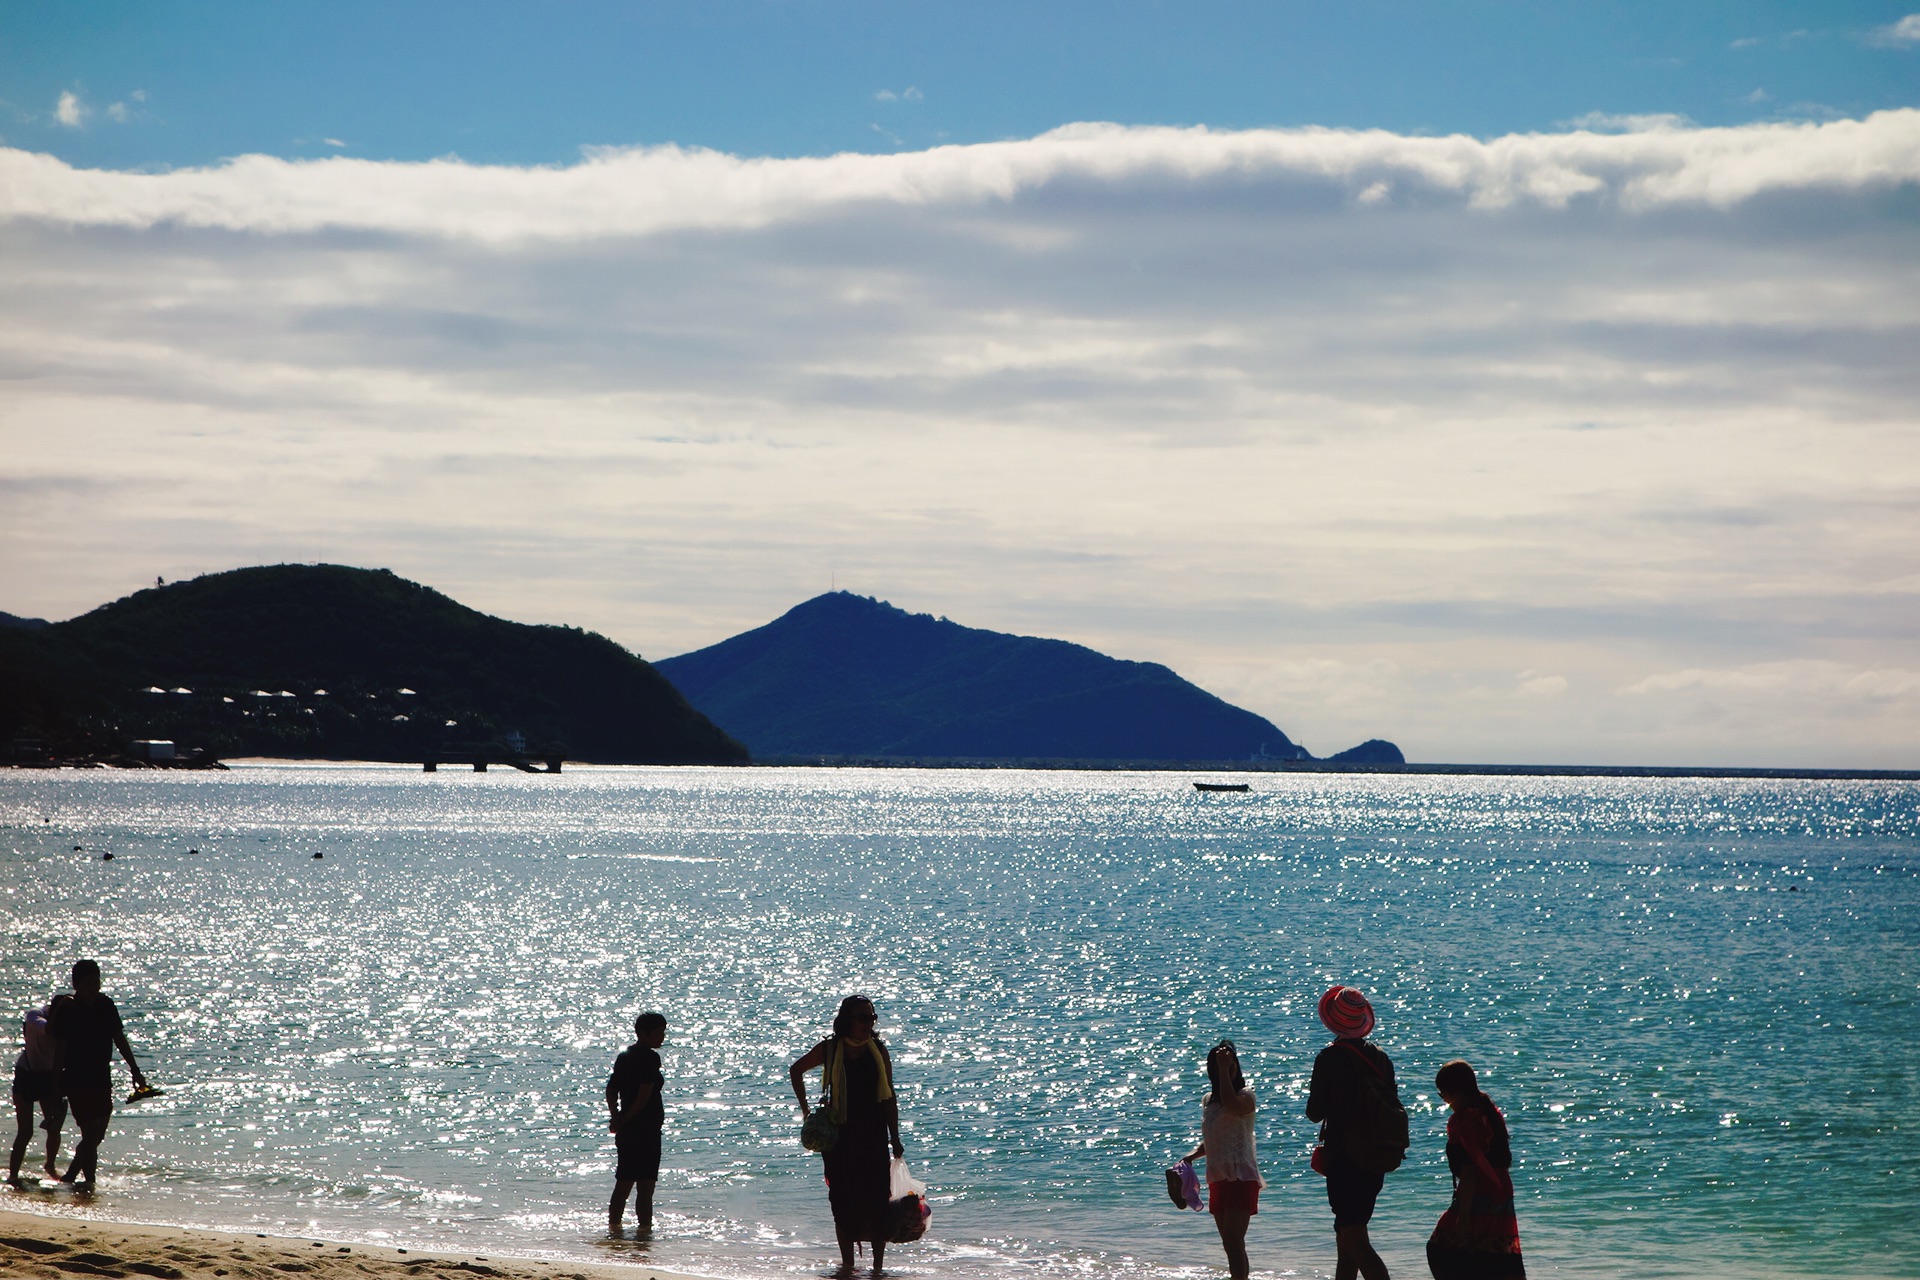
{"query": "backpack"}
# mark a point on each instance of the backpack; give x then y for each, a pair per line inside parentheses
(1377, 1136)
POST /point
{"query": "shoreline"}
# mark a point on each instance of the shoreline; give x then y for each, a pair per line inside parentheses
(53, 1246)
(1248, 767)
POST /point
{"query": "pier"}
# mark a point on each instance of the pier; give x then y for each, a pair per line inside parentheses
(480, 755)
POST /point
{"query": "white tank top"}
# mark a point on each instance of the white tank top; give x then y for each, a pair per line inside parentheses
(1229, 1141)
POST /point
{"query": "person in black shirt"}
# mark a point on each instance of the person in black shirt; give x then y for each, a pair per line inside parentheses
(1332, 1098)
(635, 1116)
(87, 1025)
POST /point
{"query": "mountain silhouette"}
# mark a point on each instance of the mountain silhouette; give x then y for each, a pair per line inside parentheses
(849, 676)
(336, 662)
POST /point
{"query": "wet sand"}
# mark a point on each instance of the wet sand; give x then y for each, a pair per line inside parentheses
(54, 1247)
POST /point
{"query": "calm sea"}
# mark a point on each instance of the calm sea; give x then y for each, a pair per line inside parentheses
(1698, 1002)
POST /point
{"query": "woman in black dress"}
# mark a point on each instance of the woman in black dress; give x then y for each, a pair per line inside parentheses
(857, 1086)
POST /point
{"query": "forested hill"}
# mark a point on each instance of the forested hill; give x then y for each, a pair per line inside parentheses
(335, 662)
(846, 676)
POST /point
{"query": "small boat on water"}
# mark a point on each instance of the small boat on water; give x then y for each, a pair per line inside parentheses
(1220, 786)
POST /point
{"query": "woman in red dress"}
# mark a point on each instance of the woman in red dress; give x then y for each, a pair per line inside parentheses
(1478, 1237)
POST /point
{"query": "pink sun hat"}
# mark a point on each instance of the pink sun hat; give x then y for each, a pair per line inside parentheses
(1346, 1013)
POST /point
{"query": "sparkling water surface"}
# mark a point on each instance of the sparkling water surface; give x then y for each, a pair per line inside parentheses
(1695, 999)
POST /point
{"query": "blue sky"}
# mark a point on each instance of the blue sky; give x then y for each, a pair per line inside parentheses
(531, 84)
(1516, 382)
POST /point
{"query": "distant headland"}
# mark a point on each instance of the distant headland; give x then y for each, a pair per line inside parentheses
(330, 662)
(844, 678)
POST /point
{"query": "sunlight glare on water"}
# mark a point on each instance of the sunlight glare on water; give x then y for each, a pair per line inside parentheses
(1695, 999)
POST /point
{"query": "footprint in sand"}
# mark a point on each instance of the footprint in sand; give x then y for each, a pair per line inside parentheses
(32, 1246)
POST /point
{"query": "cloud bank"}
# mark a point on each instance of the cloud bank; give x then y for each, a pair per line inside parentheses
(642, 191)
(1597, 445)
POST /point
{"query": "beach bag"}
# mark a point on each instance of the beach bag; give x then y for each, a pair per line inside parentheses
(1378, 1136)
(1191, 1186)
(1183, 1185)
(820, 1131)
(906, 1203)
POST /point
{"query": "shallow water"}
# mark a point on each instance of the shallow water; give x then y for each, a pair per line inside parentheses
(1696, 1001)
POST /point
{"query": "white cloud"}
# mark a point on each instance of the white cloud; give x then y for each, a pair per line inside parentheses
(908, 94)
(1797, 702)
(68, 110)
(1646, 122)
(1805, 679)
(333, 142)
(1531, 684)
(117, 112)
(648, 190)
(1187, 396)
(1904, 32)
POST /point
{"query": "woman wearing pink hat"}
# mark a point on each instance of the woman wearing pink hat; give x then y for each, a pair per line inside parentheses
(1353, 1096)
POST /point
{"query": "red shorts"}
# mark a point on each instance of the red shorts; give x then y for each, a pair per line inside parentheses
(1233, 1197)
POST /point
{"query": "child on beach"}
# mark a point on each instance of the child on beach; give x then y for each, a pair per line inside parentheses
(87, 1025)
(1226, 1143)
(635, 1116)
(36, 1081)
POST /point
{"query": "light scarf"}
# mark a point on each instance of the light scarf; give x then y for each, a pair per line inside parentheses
(837, 1074)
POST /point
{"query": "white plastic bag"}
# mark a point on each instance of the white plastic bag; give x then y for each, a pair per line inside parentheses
(907, 1197)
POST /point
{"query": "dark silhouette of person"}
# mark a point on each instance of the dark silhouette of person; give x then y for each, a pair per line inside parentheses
(635, 1116)
(36, 1082)
(1478, 1237)
(87, 1025)
(1226, 1143)
(1333, 1098)
(857, 1086)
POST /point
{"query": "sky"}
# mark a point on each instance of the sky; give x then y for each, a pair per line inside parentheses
(1519, 382)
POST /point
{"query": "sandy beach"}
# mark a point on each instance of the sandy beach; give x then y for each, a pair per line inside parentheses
(53, 1247)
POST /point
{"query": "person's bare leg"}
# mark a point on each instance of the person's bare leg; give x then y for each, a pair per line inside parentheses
(643, 1210)
(879, 1255)
(846, 1252)
(22, 1135)
(1233, 1238)
(617, 1207)
(86, 1155)
(53, 1153)
(92, 1111)
(1356, 1255)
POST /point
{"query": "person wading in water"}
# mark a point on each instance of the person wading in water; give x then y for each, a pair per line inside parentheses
(859, 1090)
(87, 1025)
(1226, 1144)
(1478, 1237)
(1352, 1093)
(635, 1116)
